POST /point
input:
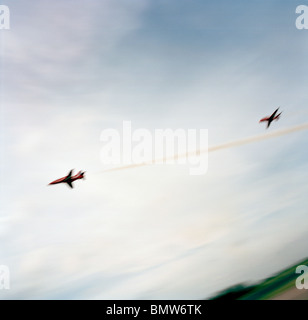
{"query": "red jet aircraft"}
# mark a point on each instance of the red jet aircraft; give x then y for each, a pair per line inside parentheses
(69, 178)
(271, 118)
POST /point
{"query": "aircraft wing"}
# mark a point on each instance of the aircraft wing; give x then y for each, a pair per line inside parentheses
(274, 113)
(70, 174)
(70, 184)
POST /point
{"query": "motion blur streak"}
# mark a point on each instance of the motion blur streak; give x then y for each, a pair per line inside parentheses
(219, 146)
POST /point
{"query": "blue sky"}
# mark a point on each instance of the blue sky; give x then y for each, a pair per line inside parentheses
(70, 69)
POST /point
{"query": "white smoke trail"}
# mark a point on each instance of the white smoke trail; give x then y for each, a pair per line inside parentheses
(226, 145)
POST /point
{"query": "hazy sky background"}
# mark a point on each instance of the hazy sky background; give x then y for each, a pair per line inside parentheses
(70, 69)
